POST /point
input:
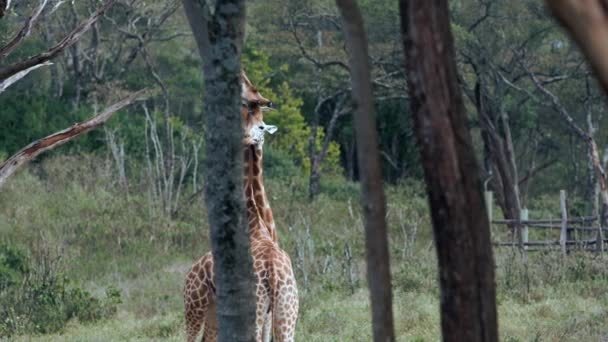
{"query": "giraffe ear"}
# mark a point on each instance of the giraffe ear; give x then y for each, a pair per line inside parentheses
(270, 128)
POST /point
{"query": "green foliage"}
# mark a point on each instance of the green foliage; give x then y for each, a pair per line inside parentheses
(38, 298)
(26, 118)
(109, 237)
(338, 189)
(278, 164)
(13, 265)
(294, 132)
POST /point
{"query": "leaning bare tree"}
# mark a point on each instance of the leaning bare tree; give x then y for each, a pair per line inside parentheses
(11, 73)
(31, 151)
(460, 224)
(587, 138)
(218, 28)
(372, 196)
(586, 22)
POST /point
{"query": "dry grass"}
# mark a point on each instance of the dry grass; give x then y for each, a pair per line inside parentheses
(112, 239)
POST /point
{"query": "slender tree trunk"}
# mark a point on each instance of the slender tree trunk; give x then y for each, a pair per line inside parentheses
(500, 148)
(219, 35)
(372, 200)
(460, 224)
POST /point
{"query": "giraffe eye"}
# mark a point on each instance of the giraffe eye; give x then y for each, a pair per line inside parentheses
(253, 104)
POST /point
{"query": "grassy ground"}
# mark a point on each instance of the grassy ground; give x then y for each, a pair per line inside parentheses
(557, 316)
(105, 237)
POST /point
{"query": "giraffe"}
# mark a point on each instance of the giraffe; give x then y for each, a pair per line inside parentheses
(251, 99)
(276, 290)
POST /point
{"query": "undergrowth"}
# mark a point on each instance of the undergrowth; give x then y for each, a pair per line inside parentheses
(82, 259)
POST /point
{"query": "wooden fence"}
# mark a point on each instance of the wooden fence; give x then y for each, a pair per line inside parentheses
(575, 233)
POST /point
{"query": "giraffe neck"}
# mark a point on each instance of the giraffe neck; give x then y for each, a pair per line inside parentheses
(259, 212)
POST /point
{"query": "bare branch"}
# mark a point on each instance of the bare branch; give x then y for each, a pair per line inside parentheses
(558, 106)
(21, 74)
(535, 170)
(57, 5)
(66, 42)
(24, 32)
(487, 6)
(31, 151)
(318, 63)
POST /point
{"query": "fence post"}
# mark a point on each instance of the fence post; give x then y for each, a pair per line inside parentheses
(599, 238)
(598, 212)
(523, 218)
(489, 196)
(564, 229)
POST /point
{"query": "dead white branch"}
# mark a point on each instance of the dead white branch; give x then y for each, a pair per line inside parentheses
(21, 74)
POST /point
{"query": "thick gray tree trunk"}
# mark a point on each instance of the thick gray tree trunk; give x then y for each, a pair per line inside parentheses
(460, 224)
(372, 196)
(218, 28)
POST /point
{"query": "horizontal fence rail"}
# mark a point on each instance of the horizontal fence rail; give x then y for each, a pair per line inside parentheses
(575, 233)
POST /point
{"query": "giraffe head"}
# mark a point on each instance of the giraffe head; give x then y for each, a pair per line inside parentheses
(252, 110)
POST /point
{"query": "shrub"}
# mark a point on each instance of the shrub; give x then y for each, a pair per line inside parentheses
(278, 164)
(40, 299)
(12, 266)
(339, 189)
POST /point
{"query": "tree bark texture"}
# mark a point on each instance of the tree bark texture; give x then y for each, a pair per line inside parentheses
(31, 151)
(372, 196)
(218, 28)
(460, 224)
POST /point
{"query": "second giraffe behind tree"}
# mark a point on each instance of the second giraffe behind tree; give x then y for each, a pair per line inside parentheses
(276, 290)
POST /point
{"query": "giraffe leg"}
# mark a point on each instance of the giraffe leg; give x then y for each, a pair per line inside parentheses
(196, 305)
(197, 313)
(267, 329)
(262, 313)
(285, 311)
(198, 296)
(211, 327)
(194, 322)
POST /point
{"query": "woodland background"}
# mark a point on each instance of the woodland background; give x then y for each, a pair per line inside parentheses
(96, 236)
